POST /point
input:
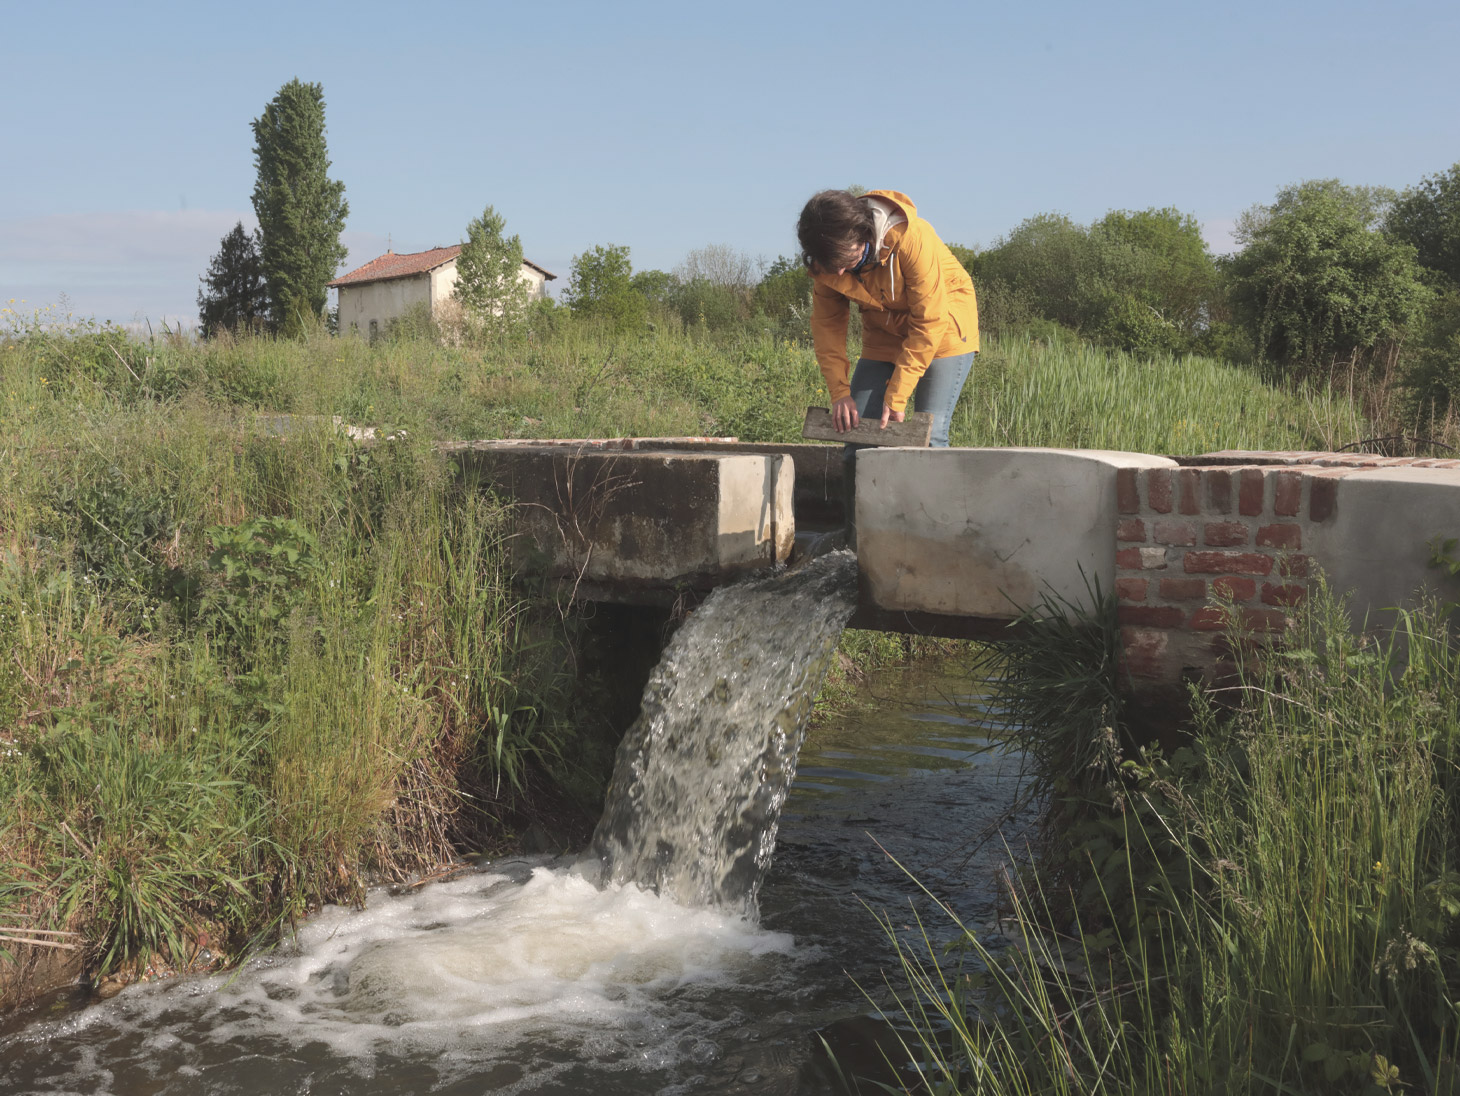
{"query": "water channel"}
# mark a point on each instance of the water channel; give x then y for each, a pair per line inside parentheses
(522, 977)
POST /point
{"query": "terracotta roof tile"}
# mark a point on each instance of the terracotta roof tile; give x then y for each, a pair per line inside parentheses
(391, 265)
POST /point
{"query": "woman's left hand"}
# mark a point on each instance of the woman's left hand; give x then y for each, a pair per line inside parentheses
(889, 415)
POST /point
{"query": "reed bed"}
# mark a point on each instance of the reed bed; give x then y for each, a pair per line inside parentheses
(1066, 393)
(1274, 908)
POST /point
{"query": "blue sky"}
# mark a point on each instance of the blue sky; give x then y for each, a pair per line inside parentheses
(126, 151)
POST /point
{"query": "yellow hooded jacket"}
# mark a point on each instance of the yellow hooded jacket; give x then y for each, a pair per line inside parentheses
(917, 304)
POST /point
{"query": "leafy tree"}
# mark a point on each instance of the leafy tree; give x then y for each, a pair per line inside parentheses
(1427, 217)
(489, 274)
(1041, 265)
(1431, 367)
(784, 291)
(601, 285)
(1316, 280)
(301, 210)
(1142, 280)
(715, 284)
(655, 286)
(1174, 273)
(234, 296)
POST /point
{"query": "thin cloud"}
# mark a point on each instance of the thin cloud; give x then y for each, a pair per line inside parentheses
(119, 265)
(125, 265)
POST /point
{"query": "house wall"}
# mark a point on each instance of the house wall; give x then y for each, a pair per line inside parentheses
(443, 281)
(381, 302)
(536, 283)
(391, 299)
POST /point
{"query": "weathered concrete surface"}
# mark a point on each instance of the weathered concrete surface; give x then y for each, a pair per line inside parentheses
(1375, 546)
(985, 532)
(638, 519)
(817, 492)
(817, 498)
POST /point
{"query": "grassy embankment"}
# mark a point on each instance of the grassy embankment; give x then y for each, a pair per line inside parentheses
(1275, 908)
(245, 674)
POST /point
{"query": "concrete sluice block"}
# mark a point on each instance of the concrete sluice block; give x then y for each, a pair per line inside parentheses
(986, 532)
(1376, 547)
(633, 519)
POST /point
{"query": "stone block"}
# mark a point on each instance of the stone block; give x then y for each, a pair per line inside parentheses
(1374, 545)
(638, 519)
(983, 531)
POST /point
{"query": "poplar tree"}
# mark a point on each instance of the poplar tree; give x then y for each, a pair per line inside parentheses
(301, 210)
(489, 274)
(233, 296)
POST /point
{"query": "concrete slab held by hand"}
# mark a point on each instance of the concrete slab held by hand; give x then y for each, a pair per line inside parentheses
(915, 430)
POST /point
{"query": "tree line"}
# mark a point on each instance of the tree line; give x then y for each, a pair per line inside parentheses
(1327, 278)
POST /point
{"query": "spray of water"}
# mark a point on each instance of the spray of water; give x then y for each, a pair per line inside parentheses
(701, 776)
(534, 980)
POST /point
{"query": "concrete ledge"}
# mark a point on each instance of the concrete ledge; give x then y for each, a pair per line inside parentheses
(642, 519)
(985, 532)
(1375, 545)
(819, 472)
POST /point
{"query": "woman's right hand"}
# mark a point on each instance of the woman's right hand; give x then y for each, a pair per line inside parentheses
(844, 414)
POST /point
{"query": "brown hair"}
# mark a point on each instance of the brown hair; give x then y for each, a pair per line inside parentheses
(833, 224)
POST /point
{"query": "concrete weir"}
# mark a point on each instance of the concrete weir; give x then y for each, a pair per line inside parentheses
(955, 542)
(629, 523)
(987, 532)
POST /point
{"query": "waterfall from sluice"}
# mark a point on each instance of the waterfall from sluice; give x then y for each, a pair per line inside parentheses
(701, 776)
(673, 956)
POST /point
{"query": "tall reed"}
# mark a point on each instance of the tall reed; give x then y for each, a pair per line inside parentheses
(1284, 918)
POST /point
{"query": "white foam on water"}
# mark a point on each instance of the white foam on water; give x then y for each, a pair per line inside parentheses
(466, 970)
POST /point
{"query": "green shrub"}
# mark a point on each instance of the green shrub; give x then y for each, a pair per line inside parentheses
(114, 523)
(265, 566)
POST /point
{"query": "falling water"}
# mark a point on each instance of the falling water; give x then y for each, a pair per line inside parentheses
(523, 977)
(701, 776)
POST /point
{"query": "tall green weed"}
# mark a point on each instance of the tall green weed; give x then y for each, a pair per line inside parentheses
(1282, 913)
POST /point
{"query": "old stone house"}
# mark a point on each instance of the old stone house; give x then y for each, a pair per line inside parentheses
(387, 288)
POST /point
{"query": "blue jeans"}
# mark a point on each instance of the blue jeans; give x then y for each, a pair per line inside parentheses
(937, 391)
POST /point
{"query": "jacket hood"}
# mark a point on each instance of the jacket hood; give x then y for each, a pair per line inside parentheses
(890, 209)
(897, 198)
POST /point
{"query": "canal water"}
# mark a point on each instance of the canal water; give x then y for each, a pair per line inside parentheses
(523, 977)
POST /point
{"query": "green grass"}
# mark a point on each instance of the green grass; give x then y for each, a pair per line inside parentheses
(248, 671)
(1070, 394)
(1274, 910)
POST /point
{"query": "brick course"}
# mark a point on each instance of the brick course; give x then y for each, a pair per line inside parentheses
(1280, 535)
(1174, 532)
(1230, 534)
(1224, 534)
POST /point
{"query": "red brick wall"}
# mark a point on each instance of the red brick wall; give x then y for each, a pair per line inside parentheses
(1197, 543)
